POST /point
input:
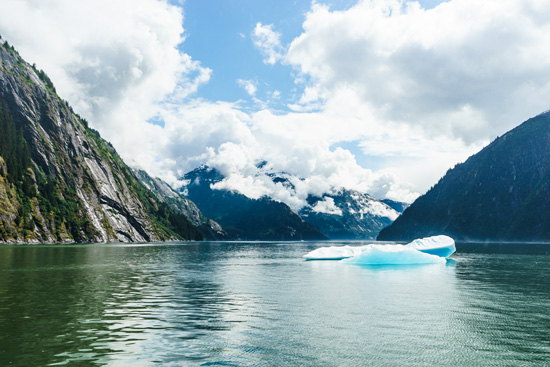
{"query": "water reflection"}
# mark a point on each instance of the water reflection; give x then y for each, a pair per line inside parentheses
(106, 304)
(260, 304)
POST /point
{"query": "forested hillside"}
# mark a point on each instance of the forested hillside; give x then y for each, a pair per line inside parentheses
(500, 193)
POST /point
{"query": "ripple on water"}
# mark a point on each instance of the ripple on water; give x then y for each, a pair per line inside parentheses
(261, 305)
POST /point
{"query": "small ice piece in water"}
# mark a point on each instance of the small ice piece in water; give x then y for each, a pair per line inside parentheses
(443, 246)
(333, 253)
(420, 251)
(392, 255)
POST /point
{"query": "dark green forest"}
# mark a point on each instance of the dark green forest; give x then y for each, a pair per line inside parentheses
(501, 193)
(30, 182)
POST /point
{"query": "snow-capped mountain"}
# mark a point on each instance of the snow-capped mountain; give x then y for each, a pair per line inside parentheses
(339, 214)
(348, 214)
(242, 217)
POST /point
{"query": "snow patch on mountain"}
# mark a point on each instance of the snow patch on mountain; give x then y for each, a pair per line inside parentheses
(327, 206)
(368, 205)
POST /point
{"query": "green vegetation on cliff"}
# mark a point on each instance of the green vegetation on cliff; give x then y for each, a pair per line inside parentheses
(59, 180)
(13, 147)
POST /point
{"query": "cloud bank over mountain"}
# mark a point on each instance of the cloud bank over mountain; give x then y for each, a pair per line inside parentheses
(388, 95)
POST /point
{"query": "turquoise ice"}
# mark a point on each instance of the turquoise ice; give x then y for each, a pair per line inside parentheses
(430, 250)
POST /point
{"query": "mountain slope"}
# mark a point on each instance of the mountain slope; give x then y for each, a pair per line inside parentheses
(344, 214)
(349, 214)
(59, 180)
(500, 193)
(242, 217)
(166, 194)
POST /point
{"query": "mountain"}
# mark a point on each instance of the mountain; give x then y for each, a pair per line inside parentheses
(242, 217)
(500, 193)
(349, 214)
(345, 214)
(166, 194)
(59, 180)
(398, 206)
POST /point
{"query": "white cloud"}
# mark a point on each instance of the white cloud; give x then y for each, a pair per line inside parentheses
(269, 43)
(302, 154)
(116, 62)
(248, 85)
(249, 186)
(418, 90)
(327, 206)
(464, 69)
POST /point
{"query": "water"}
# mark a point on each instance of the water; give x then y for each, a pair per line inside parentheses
(235, 304)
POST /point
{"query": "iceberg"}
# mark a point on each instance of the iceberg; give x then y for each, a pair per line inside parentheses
(392, 255)
(334, 252)
(429, 250)
(443, 246)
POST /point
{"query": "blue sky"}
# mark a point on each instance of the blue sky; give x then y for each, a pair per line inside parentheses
(380, 96)
(218, 33)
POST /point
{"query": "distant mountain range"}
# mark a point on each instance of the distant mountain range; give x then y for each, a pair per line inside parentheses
(346, 214)
(242, 217)
(500, 193)
(350, 214)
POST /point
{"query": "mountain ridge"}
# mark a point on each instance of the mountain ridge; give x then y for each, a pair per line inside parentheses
(342, 214)
(165, 193)
(244, 218)
(351, 214)
(500, 193)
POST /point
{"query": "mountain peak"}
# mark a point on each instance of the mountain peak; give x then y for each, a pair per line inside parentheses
(338, 214)
(500, 193)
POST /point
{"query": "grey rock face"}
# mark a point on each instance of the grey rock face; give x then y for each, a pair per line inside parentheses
(73, 156)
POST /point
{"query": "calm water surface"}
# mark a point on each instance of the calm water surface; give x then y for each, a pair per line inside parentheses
(243, 304)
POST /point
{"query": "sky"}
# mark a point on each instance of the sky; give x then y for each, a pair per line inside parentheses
(381, 96)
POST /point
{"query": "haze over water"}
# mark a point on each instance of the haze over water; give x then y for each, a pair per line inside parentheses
(260, 304)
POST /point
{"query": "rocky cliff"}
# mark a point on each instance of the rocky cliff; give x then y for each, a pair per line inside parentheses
(59, 180)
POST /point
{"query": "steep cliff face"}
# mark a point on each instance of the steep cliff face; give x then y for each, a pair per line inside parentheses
(75, 188)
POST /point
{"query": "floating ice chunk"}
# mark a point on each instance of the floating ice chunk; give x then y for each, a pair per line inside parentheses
(392, 255)
(333, 253)
(443, 246)
(421, 251)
